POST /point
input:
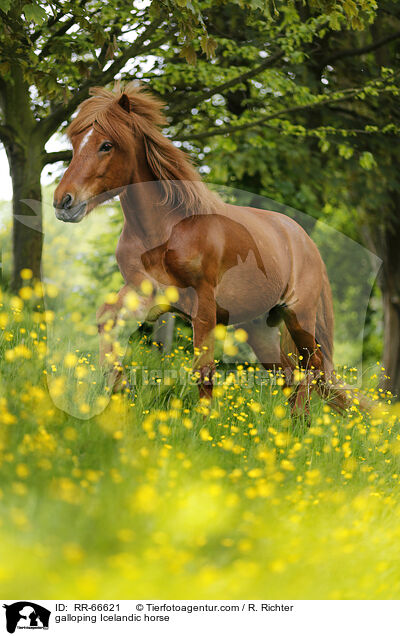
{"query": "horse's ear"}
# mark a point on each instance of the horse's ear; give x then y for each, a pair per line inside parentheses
(124, 102)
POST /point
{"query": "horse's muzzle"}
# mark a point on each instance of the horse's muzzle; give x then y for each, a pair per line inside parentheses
(72, 215)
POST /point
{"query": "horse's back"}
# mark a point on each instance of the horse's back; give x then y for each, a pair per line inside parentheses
(282, 242)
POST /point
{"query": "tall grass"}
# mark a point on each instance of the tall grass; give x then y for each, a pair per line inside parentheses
(160, 496)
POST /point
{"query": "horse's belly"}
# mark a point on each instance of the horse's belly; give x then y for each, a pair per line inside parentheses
(242, 299)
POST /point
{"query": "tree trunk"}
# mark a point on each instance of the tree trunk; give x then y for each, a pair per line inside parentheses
(386, 241)
(24, 145)
(390, 285)
(25, 168)
(391, 350)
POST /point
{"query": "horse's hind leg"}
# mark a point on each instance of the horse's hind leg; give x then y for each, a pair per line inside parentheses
(302, 331)
(203, 340)
(266, 342)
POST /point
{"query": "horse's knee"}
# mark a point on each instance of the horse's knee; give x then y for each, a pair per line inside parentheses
(105, 318)
(100, 311)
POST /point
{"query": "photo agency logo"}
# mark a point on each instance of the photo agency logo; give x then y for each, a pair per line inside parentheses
(290, 292)
(26, 615)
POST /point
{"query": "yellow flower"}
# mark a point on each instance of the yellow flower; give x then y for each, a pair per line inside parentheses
(49, 316)
(70, 360)
(80, 372)
(131, 301)
(313, 477)
(172, 294)
(38, 289)
(16, 303)
(279, 411)
(146, 287)
(51, 290)
(111, 298)
(220, 332)
(22, 471)
(241, 335)
(26, 274)
(26, 293)
(145, 498)
(230, 349)
(287, 465)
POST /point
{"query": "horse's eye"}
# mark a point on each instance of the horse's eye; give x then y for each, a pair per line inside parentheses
(105, 146)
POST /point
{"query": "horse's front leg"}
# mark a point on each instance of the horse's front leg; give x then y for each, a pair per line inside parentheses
(108, 316)
(203, 339)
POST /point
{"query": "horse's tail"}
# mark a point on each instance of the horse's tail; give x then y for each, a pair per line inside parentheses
(324, 326)
(339, 395)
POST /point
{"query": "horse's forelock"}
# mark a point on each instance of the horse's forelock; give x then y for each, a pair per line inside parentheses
(103, 108)
(107, 116)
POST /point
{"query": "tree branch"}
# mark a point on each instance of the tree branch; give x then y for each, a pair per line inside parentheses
(351, 114)
(50, 22)
(339, 55)
(343, 95)
(61, 31)
(54, 19)
(262, 120)
(347, 132)
(59, 155)
(209, 92)
(50, 123)
(116, 30)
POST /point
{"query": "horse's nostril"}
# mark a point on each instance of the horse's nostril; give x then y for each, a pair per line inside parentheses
(66, 203)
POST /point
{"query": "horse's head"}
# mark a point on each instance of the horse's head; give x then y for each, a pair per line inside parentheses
(117, 141)
(101, 164)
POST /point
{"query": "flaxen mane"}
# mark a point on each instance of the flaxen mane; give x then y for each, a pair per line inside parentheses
(180, 182)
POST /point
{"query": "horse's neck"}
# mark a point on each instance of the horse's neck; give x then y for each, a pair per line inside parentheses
(146, 216)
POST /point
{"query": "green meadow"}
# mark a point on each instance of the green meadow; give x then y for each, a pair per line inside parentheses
(153, 494)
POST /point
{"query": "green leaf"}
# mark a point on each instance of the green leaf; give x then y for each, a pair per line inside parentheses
(345, 151)
(34, 13)
(189, 54)
(334, 21)
(367, 161)
(5, 5)
(208, 45)
(324, 145)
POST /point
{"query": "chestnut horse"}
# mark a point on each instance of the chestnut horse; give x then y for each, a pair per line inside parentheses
(230, 264)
